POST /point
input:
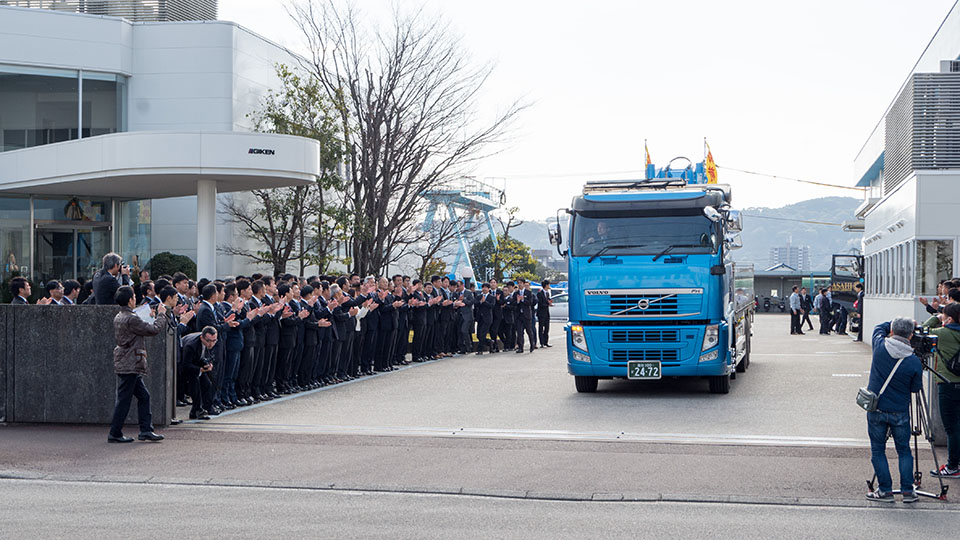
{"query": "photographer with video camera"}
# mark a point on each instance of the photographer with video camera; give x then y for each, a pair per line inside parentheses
(895, 374)
(946, 326)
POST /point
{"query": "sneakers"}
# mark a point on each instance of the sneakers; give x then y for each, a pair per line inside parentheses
(946, 472)
(881, 496)
(910, 497)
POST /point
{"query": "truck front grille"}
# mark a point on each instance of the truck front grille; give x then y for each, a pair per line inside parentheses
(644, 336)
(662, 355)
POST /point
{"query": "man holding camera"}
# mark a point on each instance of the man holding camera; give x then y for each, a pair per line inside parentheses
(895, 374)
(946, 326)
(108, 279)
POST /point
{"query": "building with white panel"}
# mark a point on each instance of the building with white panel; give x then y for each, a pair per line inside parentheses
(910, 166)
(121, 133)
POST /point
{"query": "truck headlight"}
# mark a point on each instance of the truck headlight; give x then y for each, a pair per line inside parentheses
(580, 357)
(578, 337)
(711, 337)
(710, 356)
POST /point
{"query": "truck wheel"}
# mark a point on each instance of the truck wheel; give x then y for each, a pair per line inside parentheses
(720, 384)
(744, 362)
(585, 385)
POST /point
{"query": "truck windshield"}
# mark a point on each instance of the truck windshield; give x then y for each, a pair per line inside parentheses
(617, 234)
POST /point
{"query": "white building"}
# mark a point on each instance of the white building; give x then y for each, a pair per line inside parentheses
(796, 257)
(120, 134)
(911, 167)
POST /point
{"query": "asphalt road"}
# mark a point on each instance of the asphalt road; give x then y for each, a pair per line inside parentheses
(507, 442)
(106, 511)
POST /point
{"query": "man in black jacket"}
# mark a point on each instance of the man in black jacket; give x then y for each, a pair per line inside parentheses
(806, 305)
(523, 298)
(543, 312)
(109, 278)
(859, 313)
(197, 357)
(508, 328)
(20, 289)
(485, 305)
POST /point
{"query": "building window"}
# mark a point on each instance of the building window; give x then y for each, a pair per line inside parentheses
(41, 106)
(133, 233)
(934, 264)
(14, 237)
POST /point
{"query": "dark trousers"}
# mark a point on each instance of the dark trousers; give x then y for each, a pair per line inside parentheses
(255, 373)
(806, 319)
(465, 330)
(419, 331)
(198, 386)
(494, 332)
(795, 322)
(244, 372)
(544, 327)
(400, 344)
(323, 359)
(428, 331)
(307, 361)
(483, 329)
(282, 373)
(508, 334)
(825, 322)
(333, 358)
(130, 386)
(948, 396)
(525, 326)
(371, 341)
(296, 362)
(216, 376)
(228, 392)
(346, 354)
(384, 352)
(269, 367)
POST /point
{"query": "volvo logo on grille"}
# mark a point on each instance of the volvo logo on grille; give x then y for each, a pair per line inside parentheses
(643, 303)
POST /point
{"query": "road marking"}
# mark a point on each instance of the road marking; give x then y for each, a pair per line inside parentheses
(535, 434)
(847, 375)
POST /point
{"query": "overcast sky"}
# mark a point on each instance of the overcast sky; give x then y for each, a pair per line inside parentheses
(785, 88)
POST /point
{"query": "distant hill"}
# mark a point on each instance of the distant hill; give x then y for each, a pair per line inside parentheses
(760, 234)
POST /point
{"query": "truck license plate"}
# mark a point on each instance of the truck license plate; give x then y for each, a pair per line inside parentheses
(643, 370)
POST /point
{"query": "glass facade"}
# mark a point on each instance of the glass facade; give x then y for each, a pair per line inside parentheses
(14, 236)
(42, 106)
(134, 221)
(934, 264)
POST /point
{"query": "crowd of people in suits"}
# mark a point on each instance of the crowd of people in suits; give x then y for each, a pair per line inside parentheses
(833, 316)
(248, 339)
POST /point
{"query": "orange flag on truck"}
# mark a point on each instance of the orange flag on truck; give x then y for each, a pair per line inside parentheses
(647, 151)
(711, 166)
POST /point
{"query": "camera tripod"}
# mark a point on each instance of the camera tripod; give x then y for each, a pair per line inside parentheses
(918, 422)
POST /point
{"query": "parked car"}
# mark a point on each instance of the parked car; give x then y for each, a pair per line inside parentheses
(559, 311)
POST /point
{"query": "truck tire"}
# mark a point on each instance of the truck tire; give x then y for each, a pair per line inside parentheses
(585, 385)
(720, 384)
(744, 362)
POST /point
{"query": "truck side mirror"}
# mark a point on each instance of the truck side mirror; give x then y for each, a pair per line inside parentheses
(733, 241)
(734, 221)
(553, 231)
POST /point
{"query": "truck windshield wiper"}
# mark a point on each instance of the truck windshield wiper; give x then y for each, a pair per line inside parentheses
(614, 246)
(669, 248)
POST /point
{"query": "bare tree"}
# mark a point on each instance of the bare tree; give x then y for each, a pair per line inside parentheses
(512, 220)
(409, 95)
(300, 223)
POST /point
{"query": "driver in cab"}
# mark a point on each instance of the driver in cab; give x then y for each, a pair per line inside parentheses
(602, 235)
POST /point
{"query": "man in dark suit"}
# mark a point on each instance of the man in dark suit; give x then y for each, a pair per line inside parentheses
(197, 356)
(497, 313)
(543, 313)
(311, 339)
(403, 321)
(508, 328)
(387, 333)
(209, 316)
(463, 302)
(323, 311)
(71, 290)
(20, 289)
(523, 298)
(485, 306)
(272, 337)
(858, 314)
(288, 338)
(109, 278)
(418, 319)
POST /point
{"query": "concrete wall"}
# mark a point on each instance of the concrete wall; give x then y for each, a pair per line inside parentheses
(56, 366)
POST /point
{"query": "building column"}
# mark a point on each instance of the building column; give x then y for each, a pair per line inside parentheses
(206, 229)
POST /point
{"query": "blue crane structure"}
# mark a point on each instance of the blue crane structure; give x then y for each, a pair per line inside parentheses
(471, 197)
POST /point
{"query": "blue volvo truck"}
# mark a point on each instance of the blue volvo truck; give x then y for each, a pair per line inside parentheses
(652, 290)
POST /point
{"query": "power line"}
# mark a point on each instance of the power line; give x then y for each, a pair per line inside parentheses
(794, 220)
(643, 171)
(802, 181)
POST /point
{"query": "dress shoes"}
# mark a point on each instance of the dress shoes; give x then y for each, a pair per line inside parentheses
(150, 436)
(479, 353)
(120, 439)
(214, 412)
(202, 415)
(175, 421)
(181, 403)
(519, 351)
(229, 406)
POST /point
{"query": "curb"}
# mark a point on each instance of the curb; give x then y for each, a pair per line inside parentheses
(552, 496)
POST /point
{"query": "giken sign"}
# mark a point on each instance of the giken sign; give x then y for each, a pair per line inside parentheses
(262, 151)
